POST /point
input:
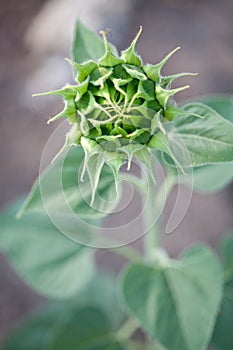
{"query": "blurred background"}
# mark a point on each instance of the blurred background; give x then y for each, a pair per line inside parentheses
(36, 35)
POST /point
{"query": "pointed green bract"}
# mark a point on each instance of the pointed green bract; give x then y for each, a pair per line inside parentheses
(163, 95)
(87, 45)
(157, 124)
(146, 90)
(82, 89)
(72, 138)
(95, 158)
(83, 70)
(114, 161)
(144, 157)
(135, 72)
(154, 71)
(172, 112)
(109, 59)
(69, 112)
(168, 80)
(99, 76)
(130, 151)
(129, 55)
(67, 92)
(160, 142)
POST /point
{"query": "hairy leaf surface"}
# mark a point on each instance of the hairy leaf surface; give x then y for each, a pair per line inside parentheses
(176, 303)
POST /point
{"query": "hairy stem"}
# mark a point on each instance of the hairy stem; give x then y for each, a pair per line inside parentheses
(128, 252)
(127, 330)
(156, 201)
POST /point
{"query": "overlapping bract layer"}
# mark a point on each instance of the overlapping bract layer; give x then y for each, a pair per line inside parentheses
(118, 109)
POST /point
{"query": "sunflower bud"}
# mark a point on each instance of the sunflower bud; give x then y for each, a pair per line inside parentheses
(119, 108)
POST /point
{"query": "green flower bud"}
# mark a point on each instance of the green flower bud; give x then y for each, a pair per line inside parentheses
(119, 109)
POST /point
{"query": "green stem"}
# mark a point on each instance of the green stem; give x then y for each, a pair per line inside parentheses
(128, 252)
(127, 330)
(137, 345)
(137, 183)
(155, 205)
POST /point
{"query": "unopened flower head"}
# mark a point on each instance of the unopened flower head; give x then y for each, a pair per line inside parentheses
(118, 109)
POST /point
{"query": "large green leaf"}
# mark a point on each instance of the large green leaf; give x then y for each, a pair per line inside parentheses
(44, 258)
(87, 45)
(85, 322)
(60, 190)
(176, 302)
(201, 141)
(103, 291)
(223, 335)
(223, 104)
(212, 178)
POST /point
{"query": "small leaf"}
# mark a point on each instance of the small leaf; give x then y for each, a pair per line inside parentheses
(176, 302)
(129, 55)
